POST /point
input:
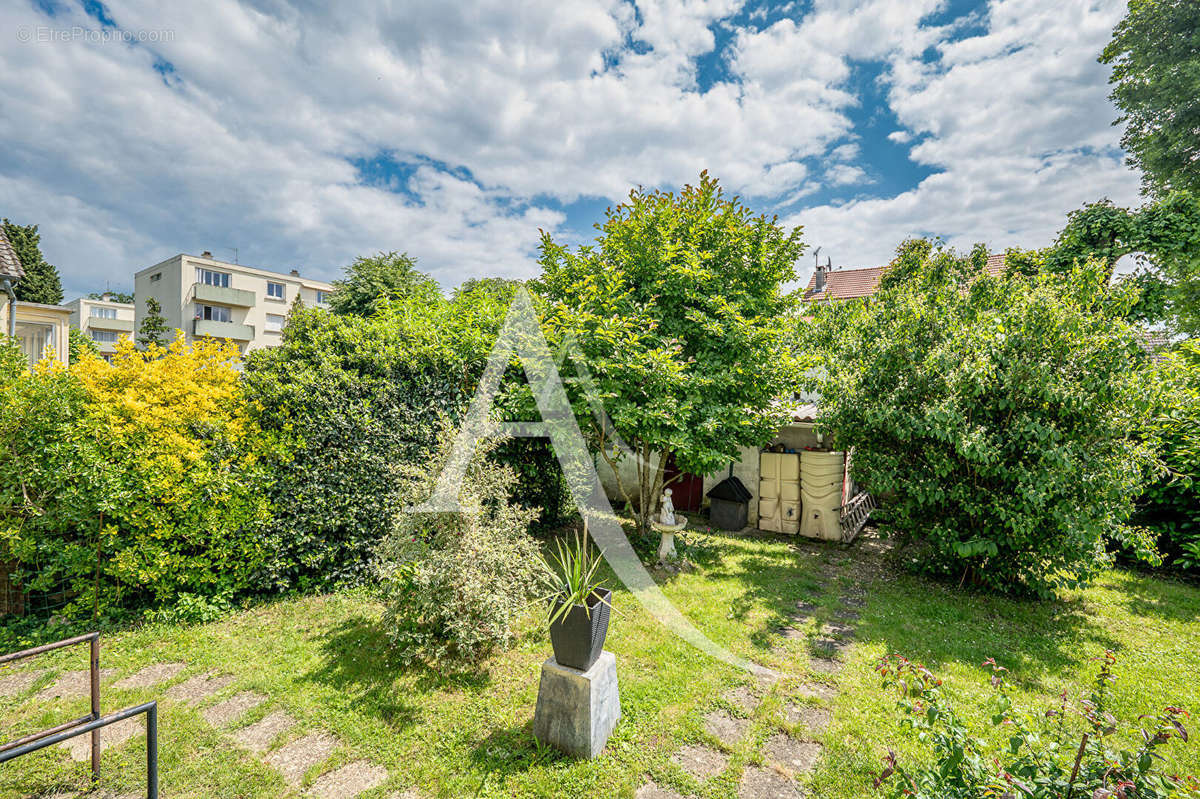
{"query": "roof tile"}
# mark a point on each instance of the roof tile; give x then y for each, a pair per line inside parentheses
(848, 284)
(10, 264)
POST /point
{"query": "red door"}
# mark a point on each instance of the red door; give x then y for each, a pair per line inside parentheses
(687, 490)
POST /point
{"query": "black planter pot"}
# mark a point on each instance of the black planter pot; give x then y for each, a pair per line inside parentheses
(578, 636)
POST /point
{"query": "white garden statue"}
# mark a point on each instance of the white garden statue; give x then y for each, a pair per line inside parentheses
(667, 514)
(668, 525)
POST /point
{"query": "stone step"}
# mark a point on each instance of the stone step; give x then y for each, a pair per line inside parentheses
(150, 676)
(228, 711)
(295, 759)
(349, 781)
(259, 736)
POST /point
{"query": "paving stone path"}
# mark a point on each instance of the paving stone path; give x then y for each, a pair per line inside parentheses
(72, 685)
(150, 676)
(727, 729)
(198, 688)
(349, 780)
(294, 760)
(702, 762)
(764, 783)
(785, 756)
(18, 682)
(651, 790)
(259, 736)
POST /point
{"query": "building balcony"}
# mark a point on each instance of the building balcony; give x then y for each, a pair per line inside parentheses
(230, 330)
(203, 292)
(119, 325)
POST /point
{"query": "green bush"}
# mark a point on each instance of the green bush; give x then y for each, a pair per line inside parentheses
(352, 402)
(1171, 505)
(996, 416)
(126, 485)
(1072, 748)
(455, 584)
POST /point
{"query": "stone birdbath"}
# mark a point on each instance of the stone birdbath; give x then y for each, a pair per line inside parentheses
(667, 525)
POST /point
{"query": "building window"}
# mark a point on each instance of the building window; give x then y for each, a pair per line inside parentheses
(156, 277)
(274, 323)
(213, 313)
(103, 313)
(211, 277)
(275, 290)
(104, 336)
(35, 340)
(323, 297)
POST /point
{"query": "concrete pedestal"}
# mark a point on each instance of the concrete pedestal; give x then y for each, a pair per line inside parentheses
(577, 710)
(666, 547)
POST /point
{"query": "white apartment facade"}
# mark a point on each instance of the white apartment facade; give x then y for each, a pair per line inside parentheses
(104, 321)
(205, 297)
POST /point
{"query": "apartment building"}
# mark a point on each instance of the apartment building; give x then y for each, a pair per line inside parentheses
(104, 321)
(205, 297)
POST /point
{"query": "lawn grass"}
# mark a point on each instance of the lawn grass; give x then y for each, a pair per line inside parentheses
(467, 732)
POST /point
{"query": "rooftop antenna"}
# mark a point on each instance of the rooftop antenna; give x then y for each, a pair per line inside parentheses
(235, 255)
(819, 273)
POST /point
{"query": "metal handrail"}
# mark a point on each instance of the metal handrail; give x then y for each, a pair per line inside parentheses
(93, 726)
(93, 640)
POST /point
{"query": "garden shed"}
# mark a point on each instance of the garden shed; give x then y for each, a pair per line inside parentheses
(776, 470)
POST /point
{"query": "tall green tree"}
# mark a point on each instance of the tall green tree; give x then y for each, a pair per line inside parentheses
(1155, 58)
(41, 282)
(79, 345)
(373, 281)
(153, 330)
(1166, 232)
(997, 417)
(680, 313)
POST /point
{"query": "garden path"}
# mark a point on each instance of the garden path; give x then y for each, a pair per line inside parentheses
(293, 760)
(783, 743)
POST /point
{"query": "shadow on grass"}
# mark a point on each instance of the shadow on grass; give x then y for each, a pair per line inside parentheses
(936, 623)
(360, 663)
(1166, 597)
(774, 580)
(514, 750)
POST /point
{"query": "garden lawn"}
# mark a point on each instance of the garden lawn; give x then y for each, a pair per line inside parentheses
(326, 662)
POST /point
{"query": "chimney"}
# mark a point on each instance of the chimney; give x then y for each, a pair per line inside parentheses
(819, 275)
(295, 273)
(206, 254)
(106, 296)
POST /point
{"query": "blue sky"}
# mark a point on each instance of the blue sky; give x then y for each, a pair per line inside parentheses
(303, 135)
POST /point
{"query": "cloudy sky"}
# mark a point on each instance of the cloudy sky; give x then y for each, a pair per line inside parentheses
(300, 134)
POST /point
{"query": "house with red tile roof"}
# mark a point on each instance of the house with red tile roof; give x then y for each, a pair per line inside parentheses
(847, 284)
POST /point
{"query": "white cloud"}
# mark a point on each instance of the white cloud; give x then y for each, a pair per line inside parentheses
(250, 142)
(846, 175)
(1017, 125)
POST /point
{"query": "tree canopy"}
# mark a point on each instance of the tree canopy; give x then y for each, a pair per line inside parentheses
(995, 416)
(41, 282)
(113, 296)
(1155, 58)
(1166, 231)
(680, 314)
(374, 280)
